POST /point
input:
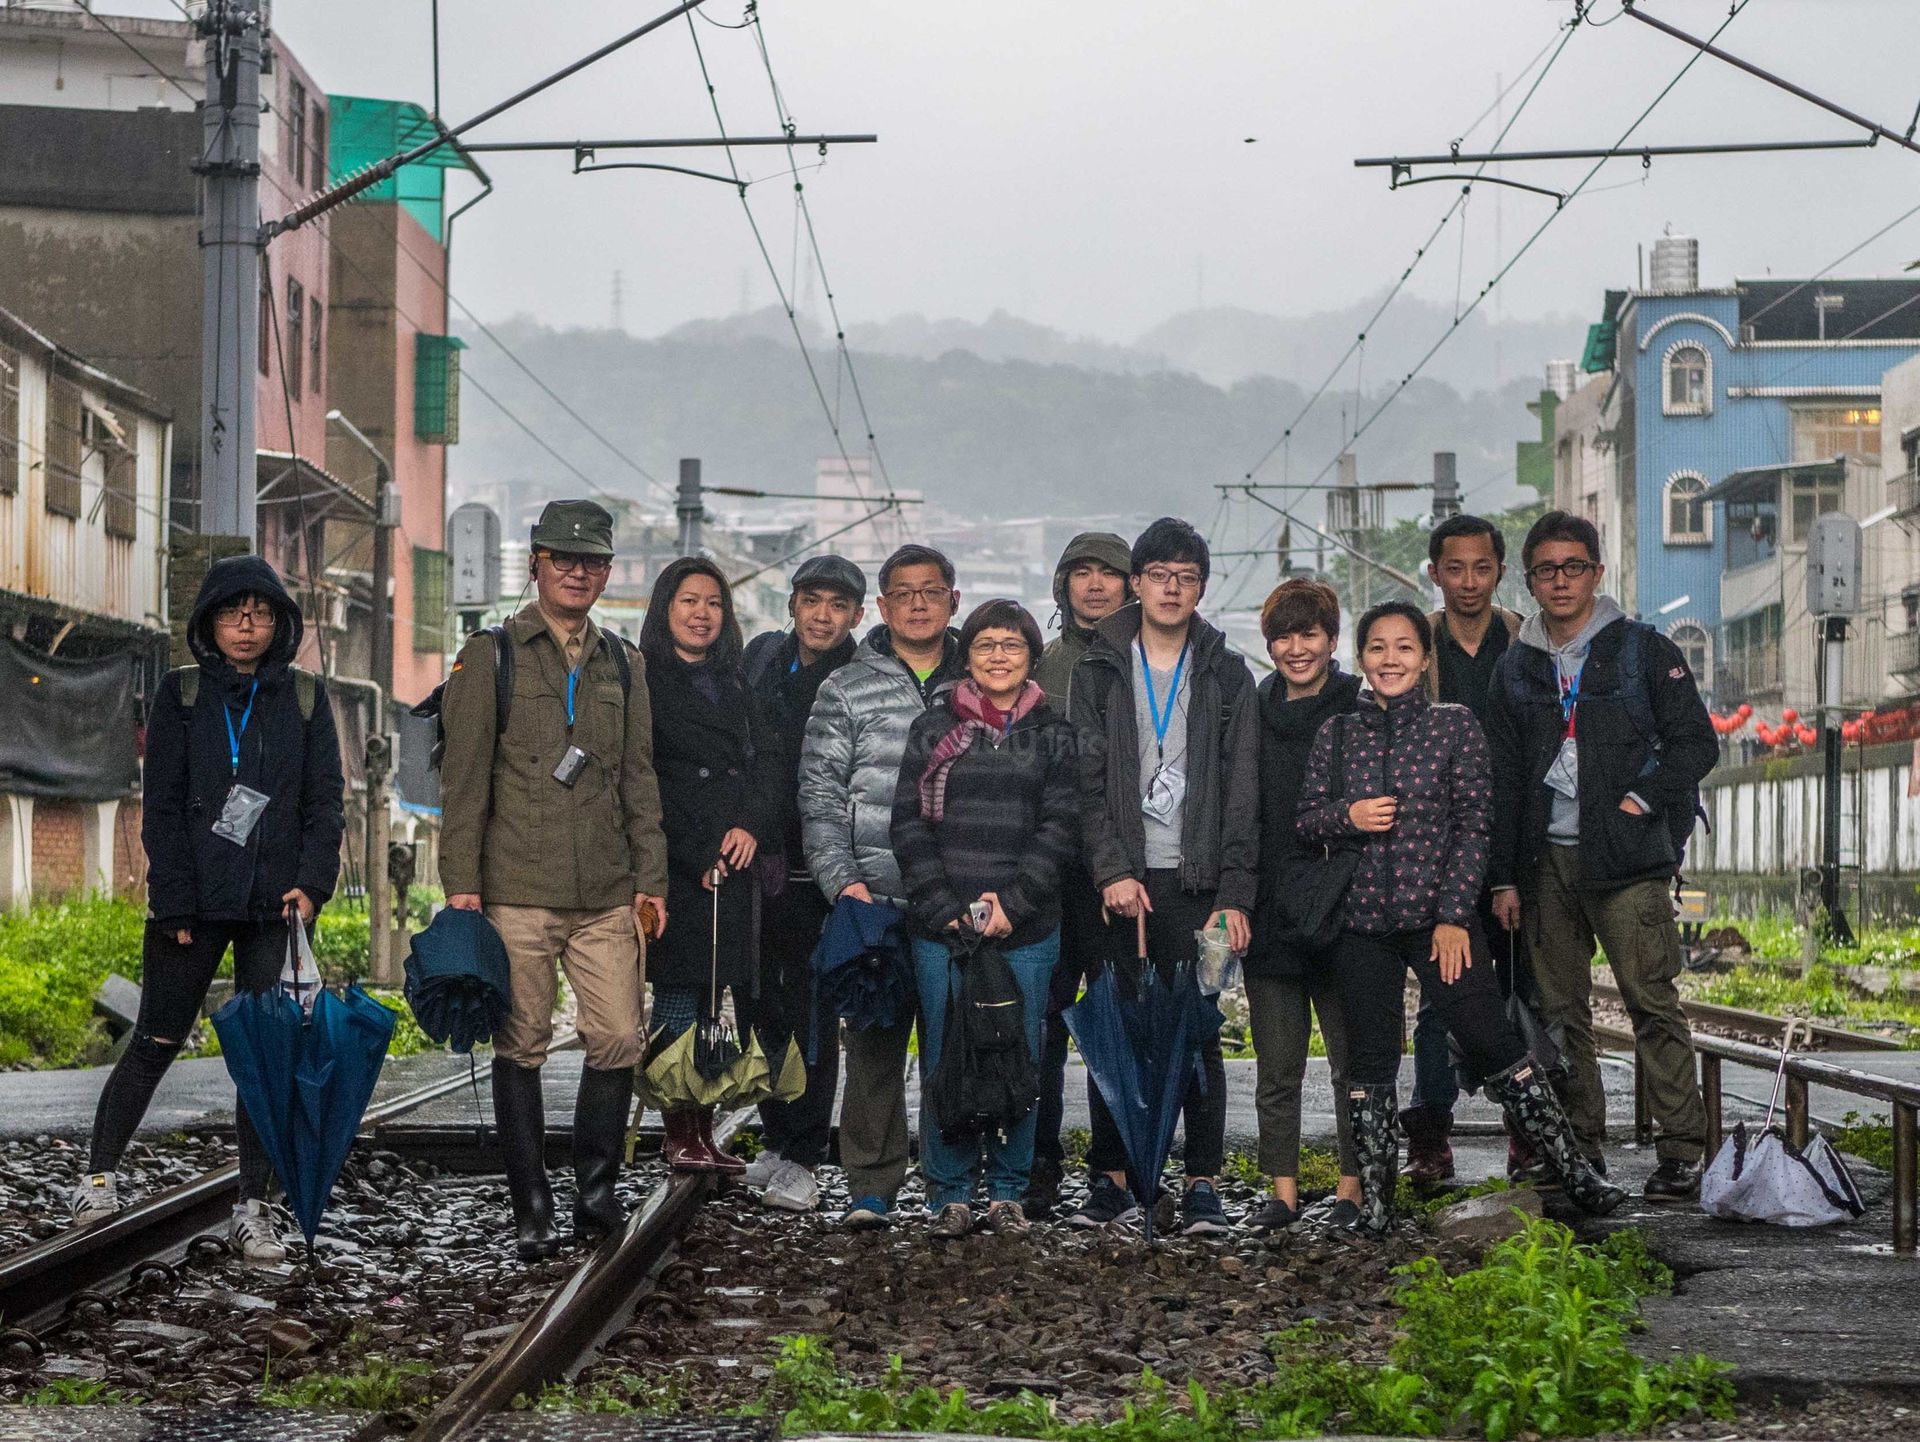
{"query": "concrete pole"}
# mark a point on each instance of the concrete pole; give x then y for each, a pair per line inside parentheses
(689, 507)
(230, 258)
(1833, 651)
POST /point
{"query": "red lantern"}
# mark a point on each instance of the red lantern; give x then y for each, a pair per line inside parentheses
(1807, 735)
(1745, 711)
(1789, 715)
(1850, 732)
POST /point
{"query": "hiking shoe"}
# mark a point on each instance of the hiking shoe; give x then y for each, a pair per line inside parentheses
(255, 1236)
(1274, 1216)
(1344, 1214)
(1201, 1213)
(868, 1214)
(760, 1171)
(1673, 1181)
(791, 1188)
(1043, 1191)
(952, 1221)
(1009, 1219)
(95, 1198)
(1106, 1204)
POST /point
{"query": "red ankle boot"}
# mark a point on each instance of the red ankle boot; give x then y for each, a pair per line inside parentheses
(681, 1149)
(724, 1162)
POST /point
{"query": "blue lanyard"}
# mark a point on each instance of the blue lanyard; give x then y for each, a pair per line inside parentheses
(234, 737)
(1570, 697)
(573, 679)
(1162, 722)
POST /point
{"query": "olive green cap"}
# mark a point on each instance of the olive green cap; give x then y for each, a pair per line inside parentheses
(584, 528)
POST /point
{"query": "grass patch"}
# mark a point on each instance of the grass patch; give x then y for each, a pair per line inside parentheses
(1776, 936)
(1531, 1341)
(379, 1386)
(1870, 1139)
(74, 1392)
(1319, 1170)
(52, 960)
(1819, 993)
(625, 1394)
(1424, 1206)
(1075, 1142)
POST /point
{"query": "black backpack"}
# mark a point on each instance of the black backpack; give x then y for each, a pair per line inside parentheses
(987, 1080)
(503, 687)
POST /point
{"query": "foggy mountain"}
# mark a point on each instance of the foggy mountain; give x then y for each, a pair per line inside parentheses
(978, 435)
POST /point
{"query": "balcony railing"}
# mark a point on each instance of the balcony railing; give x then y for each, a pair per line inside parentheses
(1744, 675)
(1903, 493)
(1903, 653)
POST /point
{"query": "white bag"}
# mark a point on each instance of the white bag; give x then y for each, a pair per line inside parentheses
(1767, 1179)
(299, 976)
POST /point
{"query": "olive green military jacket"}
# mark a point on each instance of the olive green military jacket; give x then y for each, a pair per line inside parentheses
(508, 829)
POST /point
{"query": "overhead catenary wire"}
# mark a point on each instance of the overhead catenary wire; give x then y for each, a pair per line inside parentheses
(158, 69)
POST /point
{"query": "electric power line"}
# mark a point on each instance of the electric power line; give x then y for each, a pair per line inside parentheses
(146, 59)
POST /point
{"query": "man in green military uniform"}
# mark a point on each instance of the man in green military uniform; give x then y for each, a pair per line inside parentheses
(550, 823)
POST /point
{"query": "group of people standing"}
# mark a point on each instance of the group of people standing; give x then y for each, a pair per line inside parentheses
(1502, 793)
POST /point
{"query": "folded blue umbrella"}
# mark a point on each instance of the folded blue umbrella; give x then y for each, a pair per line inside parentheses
(459, 982)
(1141, 1044)
(305, 1082)
(862, 968)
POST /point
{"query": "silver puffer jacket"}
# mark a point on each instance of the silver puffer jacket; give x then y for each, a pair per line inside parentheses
(850, 765)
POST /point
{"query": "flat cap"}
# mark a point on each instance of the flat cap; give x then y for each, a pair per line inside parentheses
(584, 528)
(835, 572)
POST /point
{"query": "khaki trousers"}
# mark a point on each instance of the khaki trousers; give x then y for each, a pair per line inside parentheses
(873, 1111)
(1635, 926)
(605, 967)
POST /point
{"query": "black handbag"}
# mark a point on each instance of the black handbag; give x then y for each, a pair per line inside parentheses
(1317, 885)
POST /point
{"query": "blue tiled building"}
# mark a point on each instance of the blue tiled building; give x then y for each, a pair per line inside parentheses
(1720, 424)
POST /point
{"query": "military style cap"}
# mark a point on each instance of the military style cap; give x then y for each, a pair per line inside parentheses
(834, 572)
(584, 528)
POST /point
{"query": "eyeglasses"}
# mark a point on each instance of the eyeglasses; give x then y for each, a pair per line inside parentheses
(1167, 576)
(926, 596)
(566, 562)
(1012, 647)
(1547, 570)
(261, 616)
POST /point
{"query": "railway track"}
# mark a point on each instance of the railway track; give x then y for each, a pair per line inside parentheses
(40, 1284)
(1761, 1025)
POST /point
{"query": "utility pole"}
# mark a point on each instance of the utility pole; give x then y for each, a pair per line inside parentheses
(229, 268)
(689, 507)
(1834, 555)
(1446, 486)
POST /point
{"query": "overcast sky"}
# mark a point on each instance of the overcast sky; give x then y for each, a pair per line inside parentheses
(1084, 164)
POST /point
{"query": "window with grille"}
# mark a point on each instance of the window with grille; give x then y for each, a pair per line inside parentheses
(429, 600)
(296, 335)
(1822, 432)
(9, 420)
(1808, 498)
(66, 447)
(1695, 645)
(436, 388)
(120, 510)
(1689, 375)
(297, 131)
(315, 353)
(1688, 522)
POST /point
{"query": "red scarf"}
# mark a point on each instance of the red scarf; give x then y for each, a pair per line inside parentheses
(974, 716)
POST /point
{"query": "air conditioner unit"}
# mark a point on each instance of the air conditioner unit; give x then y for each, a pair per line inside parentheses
(332, 609)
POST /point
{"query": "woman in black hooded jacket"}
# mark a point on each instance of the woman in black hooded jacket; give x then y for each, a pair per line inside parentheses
(243, 724)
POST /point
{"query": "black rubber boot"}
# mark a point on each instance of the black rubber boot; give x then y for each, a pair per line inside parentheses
(599, 1142)
(521, 1122)
(1372, 1109)
(1536, 1112)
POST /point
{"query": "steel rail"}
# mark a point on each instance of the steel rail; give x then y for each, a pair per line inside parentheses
(581, 1313)
(38, 1283)
(1764, 1024)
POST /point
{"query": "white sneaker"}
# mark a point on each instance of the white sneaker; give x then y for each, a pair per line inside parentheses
(95, 1198)
(255, 1236)
(792, 1189)
(760, 1171)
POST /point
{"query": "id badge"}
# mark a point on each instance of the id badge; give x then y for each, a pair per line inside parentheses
(570, 767)
(1165, 789)
(240, 814)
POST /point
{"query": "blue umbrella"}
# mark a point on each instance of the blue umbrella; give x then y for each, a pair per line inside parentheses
(458, 981)
(305, 1082)
(862, 971)
(1140, 1050)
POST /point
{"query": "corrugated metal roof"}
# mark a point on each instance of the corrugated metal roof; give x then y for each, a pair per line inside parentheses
(1759, 481)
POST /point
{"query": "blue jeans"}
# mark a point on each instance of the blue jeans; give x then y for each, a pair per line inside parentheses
(950, 1170)
(1434, 1082)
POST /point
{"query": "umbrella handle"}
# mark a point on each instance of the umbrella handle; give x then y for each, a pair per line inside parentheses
(713, 969)
(1794, 1024)
(1140, 936)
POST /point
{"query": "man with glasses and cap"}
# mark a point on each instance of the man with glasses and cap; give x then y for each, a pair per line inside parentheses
(785, 669)
(550, 824)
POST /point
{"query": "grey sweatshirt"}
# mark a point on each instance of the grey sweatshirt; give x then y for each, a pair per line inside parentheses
(1563, 777)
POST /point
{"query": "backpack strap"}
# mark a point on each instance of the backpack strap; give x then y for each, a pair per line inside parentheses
(306, 690)
(189, 686)
(617, 649)
(502, 676)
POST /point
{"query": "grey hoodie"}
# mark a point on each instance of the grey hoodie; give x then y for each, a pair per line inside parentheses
(1563, 777)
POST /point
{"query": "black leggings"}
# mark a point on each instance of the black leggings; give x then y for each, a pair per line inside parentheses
(174, 982)
(1373, 972)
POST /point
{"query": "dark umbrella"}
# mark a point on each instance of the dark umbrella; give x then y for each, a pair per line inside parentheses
(861, 969)
(305, 1082)
(1141, 1044)
(458, 983)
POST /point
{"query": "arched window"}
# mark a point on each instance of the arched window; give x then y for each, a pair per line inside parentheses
(1689, 381)
(1694, 643)
(1686, 519)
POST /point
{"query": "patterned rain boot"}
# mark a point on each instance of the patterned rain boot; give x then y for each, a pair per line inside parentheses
(1378, 1146)
(1522, 1089)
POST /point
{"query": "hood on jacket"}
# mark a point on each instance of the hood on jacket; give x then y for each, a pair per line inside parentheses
(1114, 637)
(228, 580)
(1102, 546)
(1568, 659)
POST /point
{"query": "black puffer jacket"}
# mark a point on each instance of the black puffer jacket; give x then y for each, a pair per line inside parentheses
(1287, 729)
(1432, 757)
(193, 874)
(786, 693)
(1009, 826)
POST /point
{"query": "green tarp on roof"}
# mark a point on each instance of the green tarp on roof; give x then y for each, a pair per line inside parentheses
(363, 131)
